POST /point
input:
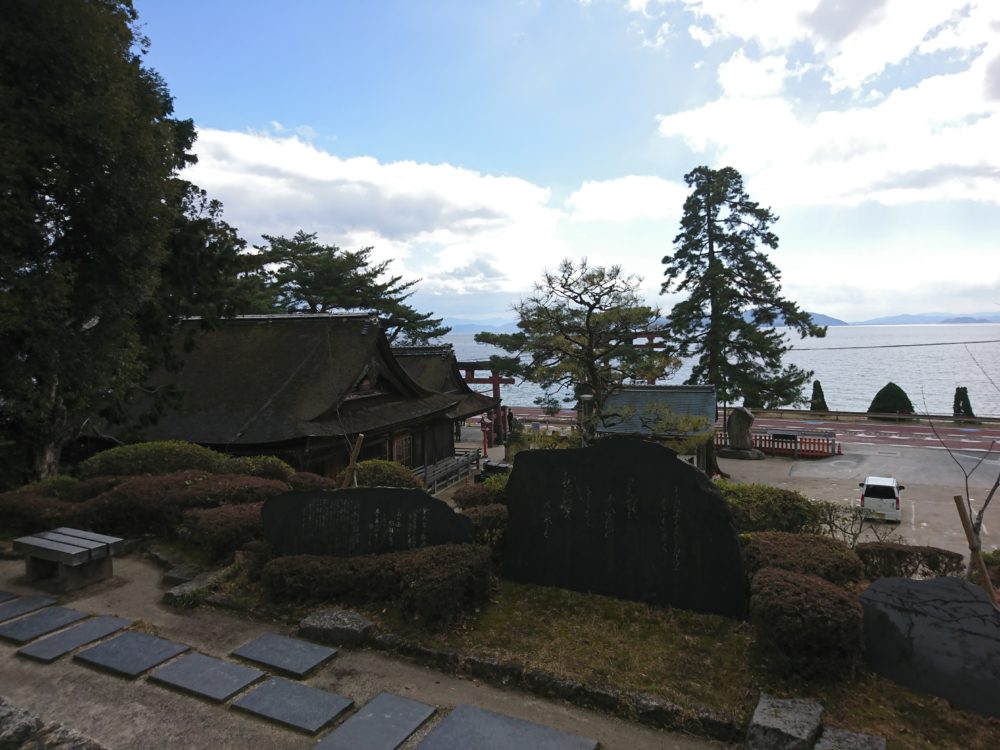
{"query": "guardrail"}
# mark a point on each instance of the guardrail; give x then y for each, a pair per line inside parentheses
(854, 416)
(444, 473)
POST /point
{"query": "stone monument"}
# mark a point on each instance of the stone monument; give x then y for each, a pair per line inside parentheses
(740, 442)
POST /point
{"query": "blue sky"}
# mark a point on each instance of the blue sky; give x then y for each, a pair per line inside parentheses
(476, 144)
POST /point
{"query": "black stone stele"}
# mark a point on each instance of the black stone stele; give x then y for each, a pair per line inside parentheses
(289, 655)
(939, 636)
(359, 521)
(293, 704)
(468, 727)
(624, 518)
(130, 654)
(23, 605)
(383, 723)
(38, 624)
(51, 648)
(206, 676)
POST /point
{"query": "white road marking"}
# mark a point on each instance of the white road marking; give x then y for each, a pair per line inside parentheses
(913, 516)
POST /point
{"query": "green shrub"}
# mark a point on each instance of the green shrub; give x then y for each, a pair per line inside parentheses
(223, 530)
(24, 512)
(759, 507)
(489, 525)
(434, 584)
(154, 504)
(306, 480)
(808, 554)
(805, 626)
(378, 473)
(268, 467)
(891, 400)
(162, 457)
(69, 488)
(818, 400)
(497, 484)
(889, 560)
(473, 496)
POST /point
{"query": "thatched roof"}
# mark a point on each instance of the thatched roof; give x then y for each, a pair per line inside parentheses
(273, 378)
(436, 369)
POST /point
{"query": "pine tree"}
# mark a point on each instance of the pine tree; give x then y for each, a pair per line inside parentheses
(962, 405)
(818, 400)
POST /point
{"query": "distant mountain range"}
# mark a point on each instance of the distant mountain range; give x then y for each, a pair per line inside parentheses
(460, 325)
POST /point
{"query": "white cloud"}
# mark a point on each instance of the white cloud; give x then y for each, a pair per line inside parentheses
(740, 76)
(626, 199)
(429, 218)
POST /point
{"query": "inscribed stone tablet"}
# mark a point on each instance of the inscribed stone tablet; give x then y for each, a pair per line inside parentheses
(31, 627)
(131, 654)
(293, 704)
(470, 727)
(624, 518)
(383, 723)
(206, 676)
(360, 521)
(290, 655)
(51, 648)
(23, 605)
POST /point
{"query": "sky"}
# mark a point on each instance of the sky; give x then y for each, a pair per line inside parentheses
(476, 144)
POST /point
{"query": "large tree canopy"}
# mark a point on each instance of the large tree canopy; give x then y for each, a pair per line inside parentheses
(733, 305)
(576, 335)
(302, 275)
(91, 212)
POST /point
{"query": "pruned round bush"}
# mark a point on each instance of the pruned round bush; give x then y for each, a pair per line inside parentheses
(760, 507)
(809, 554)
(497, 484)
(434, 584)
(891, 400)
(891, 560)
(306, 480)
(153, 504)
(268, 467)
(69, 488)
(378, 473)
(160, 457)
(23, 512)
(223, 530)
(489, 525)
(473, 496)
(805, 626)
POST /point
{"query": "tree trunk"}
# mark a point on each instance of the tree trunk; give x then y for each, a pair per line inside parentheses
(47, 460)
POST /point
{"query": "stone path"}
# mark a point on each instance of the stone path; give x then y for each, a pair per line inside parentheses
(47, 633)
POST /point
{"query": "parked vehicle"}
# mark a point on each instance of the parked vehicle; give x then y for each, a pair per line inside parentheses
(880, 499)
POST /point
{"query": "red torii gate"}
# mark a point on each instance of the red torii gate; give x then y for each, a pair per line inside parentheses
(651, 343)
(495, 379)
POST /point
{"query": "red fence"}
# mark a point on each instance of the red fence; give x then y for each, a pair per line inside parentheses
(789, 443)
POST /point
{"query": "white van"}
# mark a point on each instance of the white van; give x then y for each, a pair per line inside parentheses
(880, 499)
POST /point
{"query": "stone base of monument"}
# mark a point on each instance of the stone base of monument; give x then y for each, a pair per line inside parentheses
(744, 454)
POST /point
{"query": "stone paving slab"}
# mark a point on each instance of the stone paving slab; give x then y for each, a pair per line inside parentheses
(383, 723)
(51, 648)
(130, 654)
(40, 623)
(292, 656)
(5, 595)
(206, 676)
(469, 727)
(23, 605)
(293, 704)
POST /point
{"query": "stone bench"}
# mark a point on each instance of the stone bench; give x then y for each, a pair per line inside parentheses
(77, 558)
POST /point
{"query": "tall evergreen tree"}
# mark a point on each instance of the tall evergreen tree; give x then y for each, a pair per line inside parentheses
(734, 296)
(818, 400)
(302, 275)
(962, 406)
(88, 150)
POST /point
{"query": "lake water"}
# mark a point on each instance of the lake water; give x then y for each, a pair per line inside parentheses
(854, 362)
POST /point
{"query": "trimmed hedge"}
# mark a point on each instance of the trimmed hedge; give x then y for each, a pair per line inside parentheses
(154, 504)
(891, 399)
(306, 480)
(807, 554)
(378, 473)
(159, 457)
(760, 507)
(266, 467)
(805, 626)
(434, 584)
(489, 525)
(223, 530)
(889, 560)
(29, 512)
(70, 488)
